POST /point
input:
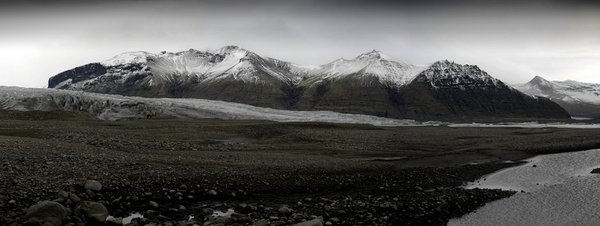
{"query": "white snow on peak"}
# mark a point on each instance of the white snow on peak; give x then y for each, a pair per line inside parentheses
(238, 63)
(374, 54)
(231, 50)
(453, 73)
(228, 61)
(373, 63)
(128, 58)
(579, 91)
(539, 81)
(568, 91)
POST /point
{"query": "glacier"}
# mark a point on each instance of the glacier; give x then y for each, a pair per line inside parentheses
(112, 107)
(116, 107)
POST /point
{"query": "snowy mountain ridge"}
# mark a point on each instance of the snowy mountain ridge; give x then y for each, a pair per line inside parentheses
(204, 65)
(371, 83)
(568, 91)
(240, 64)
(373, 63)
(579, 98)
(442, 73)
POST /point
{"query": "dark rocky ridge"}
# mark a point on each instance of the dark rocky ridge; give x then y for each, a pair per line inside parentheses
(445, 90)
(86, 72)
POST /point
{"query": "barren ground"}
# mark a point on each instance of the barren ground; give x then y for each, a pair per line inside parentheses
(348, 174)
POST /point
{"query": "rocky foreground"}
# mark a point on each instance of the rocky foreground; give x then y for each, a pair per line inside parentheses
(82, 172)
(422, 200)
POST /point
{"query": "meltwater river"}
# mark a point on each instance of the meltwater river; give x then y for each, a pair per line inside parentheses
(555, 189)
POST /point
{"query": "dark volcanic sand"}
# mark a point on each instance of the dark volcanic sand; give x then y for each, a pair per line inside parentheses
(338, 172)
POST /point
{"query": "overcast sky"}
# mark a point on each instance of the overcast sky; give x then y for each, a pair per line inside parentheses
(513, 41)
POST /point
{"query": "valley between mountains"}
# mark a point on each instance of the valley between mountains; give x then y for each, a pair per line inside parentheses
(237, 138)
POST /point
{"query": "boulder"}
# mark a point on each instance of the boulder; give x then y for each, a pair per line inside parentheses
(47, 212)
(92, 211)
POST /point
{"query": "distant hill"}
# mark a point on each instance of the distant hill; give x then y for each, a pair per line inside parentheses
(578, 98)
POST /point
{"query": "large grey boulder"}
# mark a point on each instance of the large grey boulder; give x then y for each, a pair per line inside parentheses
(92, 211)
(47, 212)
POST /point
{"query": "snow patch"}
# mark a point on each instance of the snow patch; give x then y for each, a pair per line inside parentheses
(128, 58)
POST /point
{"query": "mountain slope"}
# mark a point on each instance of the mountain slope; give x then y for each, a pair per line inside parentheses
(453, 90)
(359, 85)
(580, 99)
(230, 74)
(371, 83)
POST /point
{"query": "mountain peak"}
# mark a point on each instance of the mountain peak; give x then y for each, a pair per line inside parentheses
(230, 48)
(538, 78)
(128, 57)
(374, 54)
(540, 81)
(449, 73)
(443, 63)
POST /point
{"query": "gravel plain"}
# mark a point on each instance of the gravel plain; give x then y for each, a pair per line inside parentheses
(214, 172)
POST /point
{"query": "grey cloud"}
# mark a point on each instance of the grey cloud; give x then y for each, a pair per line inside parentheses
(513, 41)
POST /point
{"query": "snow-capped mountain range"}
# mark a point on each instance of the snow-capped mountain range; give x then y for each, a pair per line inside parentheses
(371, 83)
(580, 99)
(238, 63)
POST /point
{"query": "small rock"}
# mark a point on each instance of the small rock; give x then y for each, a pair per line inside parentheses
(315, 222)
(207, 211)
(12, 201)
(92, 185)
(262, 222)
(285, 210)
(74, 198)
(150, 214)
(63, 195)
(114, 221)
(212, 192)
(278, 223)
(153, 204)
